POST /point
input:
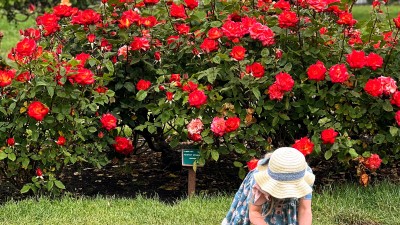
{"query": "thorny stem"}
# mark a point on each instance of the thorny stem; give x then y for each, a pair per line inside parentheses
(390, 51)
(344, 38)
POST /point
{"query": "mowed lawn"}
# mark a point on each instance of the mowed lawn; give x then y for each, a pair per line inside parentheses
(343, 204)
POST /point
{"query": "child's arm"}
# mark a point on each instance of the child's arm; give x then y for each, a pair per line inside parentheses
(255, 211)
(305, 212)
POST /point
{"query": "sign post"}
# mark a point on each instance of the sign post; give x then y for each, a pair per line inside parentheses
(189, 156)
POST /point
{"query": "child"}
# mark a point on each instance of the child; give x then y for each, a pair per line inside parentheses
(277, 192)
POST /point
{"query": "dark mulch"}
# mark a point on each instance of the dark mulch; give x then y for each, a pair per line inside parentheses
(145, 174)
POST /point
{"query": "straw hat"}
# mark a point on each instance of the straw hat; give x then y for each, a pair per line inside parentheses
(286, 174)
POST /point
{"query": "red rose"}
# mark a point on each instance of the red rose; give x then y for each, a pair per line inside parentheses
(123, 145)
(275, 92)
(233, 29)
(143, 85)
(151, 2)
(328, 136)
(82, 57)
(374, 87)
(338, 73)
(316, 71)
(182, 28)
(86, 17)
(287, 19)
(83, 76)
(108, 121)
(22, 77)
(177, 11)
(64, 10)
(374, 61)
(346, 18)
(373, 162)
(256, 70)
(284, 81)
(31, 33)
(101, 89)
(148, 22)
(157, 56)
(197, 98)
(61, 141)
(189, 87)
(100, 134)
(232, 124)
(278, 53)
(252, 164)
(91, 38)
(10, 141)
(49, 22)
(39, 172)
(26, 47)
(323, 30)
(214, 33)
(397, 21)
(356, 59)
(262, 33)
(6, 77)
(209, 45)
(397, 117)
(191, 4)
(169, 96)
(37, 110)
(282, 4)
(195, 137)
(304, 145)
(238, 53)
(395, 99)
(140, 43)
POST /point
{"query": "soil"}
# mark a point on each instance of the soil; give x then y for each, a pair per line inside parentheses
(145, 174)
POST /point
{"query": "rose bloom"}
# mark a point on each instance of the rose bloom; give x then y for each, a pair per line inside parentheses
(318, 5)
(275, 92)
(233, 29)
(356, 59)
(182, 28)
(262, 33)
(397, 21)
(395, 99)
(6, 77)
(169, 95)
(316, 71)
(374, 87)
(238, 53)
(256, 70)
(91, 38)
(304, 145)
(49, 22)
(175, 77)
(143, 85)
(346, 18)
(191, 4)
(123, 51)
(373, 162)
(83, 76)
(82, 57)
(209, 45)
(190, 86)
(101, 89)
(10, 141)
(389, 85)
(37, 110)
(328, 136)
(64, 10)
(338, 73)
(197, 98)
(214, 33)
(374, 61)
(108, 121)
(287, 19)
(26, 47)
(39, 172)
(61, 141)
(218, 126)
(148, 22)
(195, 137)
(282, 4)
(397, 117)
(232, 124)
(140, 43)
(195, 126)
(284, 81)
(31, 33)
(177, 11)
(123, 145)
(86, 17)
(151, 2)
(323, 30)
(252, 164)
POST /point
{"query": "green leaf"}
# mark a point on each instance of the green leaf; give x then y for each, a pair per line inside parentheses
(208, 140)
(109, 65)
(215, 24)
(3, 155)
(129, 86)
(50, 185)
(141, 95)
(394, 131)
(59, 184)
(353, 153)
(379, 138)
(256, 92)
(12, 156)
(215, 155)
(25, 188)
(328, 154)
(237, 164)
(92, 129)
(50, 90)
(387, 106)
(284, 116)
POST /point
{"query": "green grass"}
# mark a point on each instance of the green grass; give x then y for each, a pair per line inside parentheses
(343, 205)
(363, 12)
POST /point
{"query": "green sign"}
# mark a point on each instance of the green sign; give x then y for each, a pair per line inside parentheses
(189, 156)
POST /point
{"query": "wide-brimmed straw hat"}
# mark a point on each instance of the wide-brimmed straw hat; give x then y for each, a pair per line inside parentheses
(286, 174)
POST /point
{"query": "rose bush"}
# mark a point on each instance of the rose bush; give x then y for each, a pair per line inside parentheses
(230, 76)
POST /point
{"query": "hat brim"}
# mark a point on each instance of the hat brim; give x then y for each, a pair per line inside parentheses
(287, 189)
